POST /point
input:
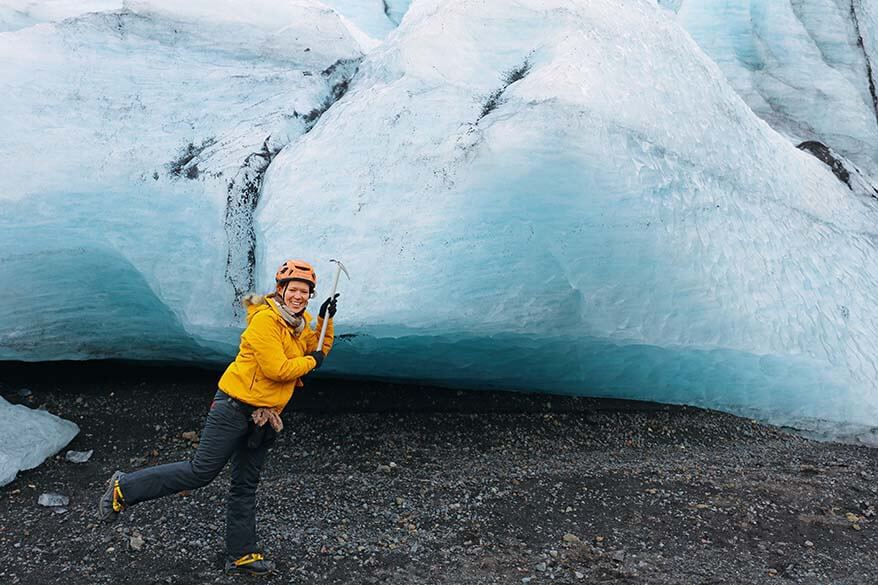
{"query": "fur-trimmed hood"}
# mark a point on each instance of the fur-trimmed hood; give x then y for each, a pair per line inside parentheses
(255, 303)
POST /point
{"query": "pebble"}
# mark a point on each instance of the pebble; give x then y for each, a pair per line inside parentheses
(78, 456)
(53, 500)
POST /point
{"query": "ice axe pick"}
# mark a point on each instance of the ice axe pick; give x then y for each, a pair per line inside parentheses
(339, 268)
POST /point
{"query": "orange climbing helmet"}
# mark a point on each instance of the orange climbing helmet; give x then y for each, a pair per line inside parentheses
(296, 270)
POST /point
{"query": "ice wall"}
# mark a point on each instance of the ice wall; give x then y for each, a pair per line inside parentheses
(540, 195)
(19, 14)
(581, 206)
(132, 151)
(807, 67)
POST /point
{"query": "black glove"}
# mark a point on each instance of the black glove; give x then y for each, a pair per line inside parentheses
(317, 355)
(329, 305)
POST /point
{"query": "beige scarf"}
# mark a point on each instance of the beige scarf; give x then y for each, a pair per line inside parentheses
(296, 322)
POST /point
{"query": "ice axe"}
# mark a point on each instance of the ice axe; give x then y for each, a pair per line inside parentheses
(339, 269)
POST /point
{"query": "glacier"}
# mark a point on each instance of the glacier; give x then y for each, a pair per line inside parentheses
(587, 204)
(28, 437)
(808, 68)
(559, 196)
(133, 149)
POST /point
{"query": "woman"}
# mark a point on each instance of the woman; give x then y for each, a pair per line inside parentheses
(278, 347)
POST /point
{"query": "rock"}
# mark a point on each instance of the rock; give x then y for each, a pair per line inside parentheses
(618, 555)
(541, 567)
(190, 436)
(53, 500)
(136, 542)
(24, 392)
(570, 537)
(78, 456)
(384, 468)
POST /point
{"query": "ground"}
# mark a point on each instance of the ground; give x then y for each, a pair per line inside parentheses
(378, 483)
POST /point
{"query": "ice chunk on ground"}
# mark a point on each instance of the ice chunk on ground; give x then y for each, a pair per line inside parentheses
(78, 456)
(53, 500)
(28, 437)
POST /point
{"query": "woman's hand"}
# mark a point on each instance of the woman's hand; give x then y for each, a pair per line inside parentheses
(329, 306)
(318, 357)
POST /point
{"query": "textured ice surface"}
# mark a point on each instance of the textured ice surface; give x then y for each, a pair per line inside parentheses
(18, 14)
(368, 16)
(616, 221)
(543, 195)
(28, 437)
(396, 9)
(131, 155)
(807, 67)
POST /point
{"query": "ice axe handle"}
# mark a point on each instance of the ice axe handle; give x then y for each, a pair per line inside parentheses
(338, 269)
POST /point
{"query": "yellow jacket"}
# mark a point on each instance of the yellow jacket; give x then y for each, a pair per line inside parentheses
(271, 358)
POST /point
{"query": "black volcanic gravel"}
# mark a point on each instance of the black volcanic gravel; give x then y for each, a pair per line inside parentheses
(377, 483)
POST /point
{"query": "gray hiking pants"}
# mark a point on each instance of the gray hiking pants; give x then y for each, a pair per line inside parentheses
(224, 437)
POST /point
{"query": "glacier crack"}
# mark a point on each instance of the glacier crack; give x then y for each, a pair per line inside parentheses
(495, 98)
(339, 76)
(243, 191)
(241, 201)
(869, 73)
(824, 154)
(183, 165)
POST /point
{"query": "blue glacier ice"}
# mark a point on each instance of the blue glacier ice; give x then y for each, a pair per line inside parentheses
(19, 14)
(807, 67)
(615, 221)
(133, 146)
(548, 195)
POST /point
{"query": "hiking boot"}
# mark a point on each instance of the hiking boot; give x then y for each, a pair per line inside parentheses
(250, 564)
(111, 502)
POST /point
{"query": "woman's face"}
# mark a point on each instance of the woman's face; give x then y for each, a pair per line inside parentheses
(296, 295)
